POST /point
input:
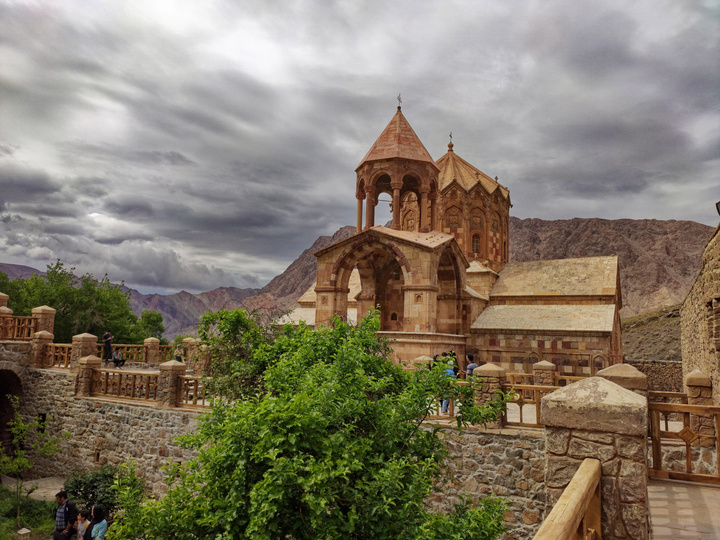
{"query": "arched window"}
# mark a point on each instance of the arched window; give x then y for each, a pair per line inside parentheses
(476, 243)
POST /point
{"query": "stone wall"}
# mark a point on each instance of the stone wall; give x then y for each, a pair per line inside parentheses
(700, 323)
(663, 375)
(509, 463)
(103, 431)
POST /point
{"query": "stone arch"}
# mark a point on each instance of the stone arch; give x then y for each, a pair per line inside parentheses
(10, 385)
(598, 362)
(449, 299)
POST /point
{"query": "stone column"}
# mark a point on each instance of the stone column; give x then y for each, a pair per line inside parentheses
(433, 212)
(4, 299)
(5, 322)
(699, 392)
(492, 379)
(191, 352)
(358, 229)
(544, 373)
(369, 208)
(396, 208)
(44, 317)
(152, 350)
(86, 368)
(38, 356)
(596, 418)
(82, 345)
(627, 376)
(424, 225)
(169, 383)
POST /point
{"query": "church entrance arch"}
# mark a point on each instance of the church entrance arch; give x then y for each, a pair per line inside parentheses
(449, 297)
(383, 274)
(10, 386)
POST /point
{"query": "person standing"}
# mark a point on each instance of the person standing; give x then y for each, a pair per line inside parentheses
(450, 374)
(65, 517)
(471, 365)
(99, 525)
(107, 346)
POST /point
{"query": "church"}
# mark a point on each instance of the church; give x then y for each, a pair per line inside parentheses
(440, 274)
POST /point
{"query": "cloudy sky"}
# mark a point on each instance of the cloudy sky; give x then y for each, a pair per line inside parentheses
(190, 145)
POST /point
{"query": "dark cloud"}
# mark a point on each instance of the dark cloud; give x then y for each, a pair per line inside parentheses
(19, 183)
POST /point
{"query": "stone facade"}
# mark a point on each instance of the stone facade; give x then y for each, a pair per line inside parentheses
(663, 375)
(508, 463)
(103, 431)
(700, 323)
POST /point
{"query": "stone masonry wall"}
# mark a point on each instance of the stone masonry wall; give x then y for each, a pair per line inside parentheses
(508, 463)
(103, 432)
(664, 376)
(700, 323)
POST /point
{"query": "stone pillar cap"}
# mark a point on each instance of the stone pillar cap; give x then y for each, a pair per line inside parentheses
(151, 340)
(43, 309)
(189, 339)
(5, 311)
(596, 404)
(489, 370)
(697, 378)
(626, 376)
(90, 359)
(85, 337)
(544, 366)
(4, 296)
(43, 334)
(172, 365)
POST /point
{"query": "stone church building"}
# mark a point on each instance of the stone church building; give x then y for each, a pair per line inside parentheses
(440, 274)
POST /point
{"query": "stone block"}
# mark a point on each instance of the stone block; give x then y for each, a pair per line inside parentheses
(557, 440)
(625, 375)
(581, 449)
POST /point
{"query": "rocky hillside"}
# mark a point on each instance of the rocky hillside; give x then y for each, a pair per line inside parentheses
(653, 336)
(658, 259)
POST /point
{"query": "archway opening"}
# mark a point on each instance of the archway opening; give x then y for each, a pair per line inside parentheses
(10, 385)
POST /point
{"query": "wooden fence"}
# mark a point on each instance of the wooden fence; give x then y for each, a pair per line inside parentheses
(57, 355)
(131, 353)
(192, 393)
(17, 328)
(128, 385)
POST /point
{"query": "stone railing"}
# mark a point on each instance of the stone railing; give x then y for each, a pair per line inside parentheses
(577, 512)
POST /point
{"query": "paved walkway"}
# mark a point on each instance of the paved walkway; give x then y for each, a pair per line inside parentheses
(46, 487)
(680, 510)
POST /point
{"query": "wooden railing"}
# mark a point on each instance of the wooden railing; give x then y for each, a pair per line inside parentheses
(166, 353)
(130, 385)
(526, 394)
(192, 392)
(131, 353)
(576, 515)
(699, 427)
(57, 355)
(17, 328)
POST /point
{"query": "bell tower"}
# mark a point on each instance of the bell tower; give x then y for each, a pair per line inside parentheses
(398, 164)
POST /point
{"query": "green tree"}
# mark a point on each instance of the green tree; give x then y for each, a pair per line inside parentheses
(82, 304)
(150, 324)
(27, 438)
(328, 444)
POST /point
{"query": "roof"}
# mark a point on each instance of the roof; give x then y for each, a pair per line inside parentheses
(453, 167)
(479, 268)
(561, 317)
(588, 276)
(398, 140)
(430, 240)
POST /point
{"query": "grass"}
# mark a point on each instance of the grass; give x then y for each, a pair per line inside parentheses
(38, 516)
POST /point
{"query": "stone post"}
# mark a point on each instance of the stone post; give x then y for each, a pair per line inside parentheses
(699, 392)
(5, 322)
(38, 357)
(44, 318)
(86, 367)
(169, 383)
(596, 418)
(191, 351)
(627, 376)
(4, 299)
(544, 373)
(152, 350)
(82, 345)
(492, 379)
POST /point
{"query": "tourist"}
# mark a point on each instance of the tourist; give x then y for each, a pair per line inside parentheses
(450, 373)
(83, 525)
(107, 346)
(65, 517)
(99, 526)
(470, 366)
(118, 359)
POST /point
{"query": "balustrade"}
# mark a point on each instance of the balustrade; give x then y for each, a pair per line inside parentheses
(191, 392)
(130, 385)
(131, 353)
(57, 355)
(17, 328)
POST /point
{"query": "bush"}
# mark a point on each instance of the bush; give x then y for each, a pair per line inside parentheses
(93, 488)
(38, 516)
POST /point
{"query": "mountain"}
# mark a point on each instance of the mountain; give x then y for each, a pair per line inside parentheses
(658, 263)
(658, 259)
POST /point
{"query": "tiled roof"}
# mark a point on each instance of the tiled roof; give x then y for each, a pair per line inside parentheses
(398, 140)
(530, 318)
(588, 276)
(453, 167)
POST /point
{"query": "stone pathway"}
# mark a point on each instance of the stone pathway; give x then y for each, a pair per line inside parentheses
(46, 487)
(680, 510)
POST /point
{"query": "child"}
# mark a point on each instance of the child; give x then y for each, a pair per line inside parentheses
(82, 525)
(99, 524)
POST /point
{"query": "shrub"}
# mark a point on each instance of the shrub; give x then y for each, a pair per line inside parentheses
(93, 488)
